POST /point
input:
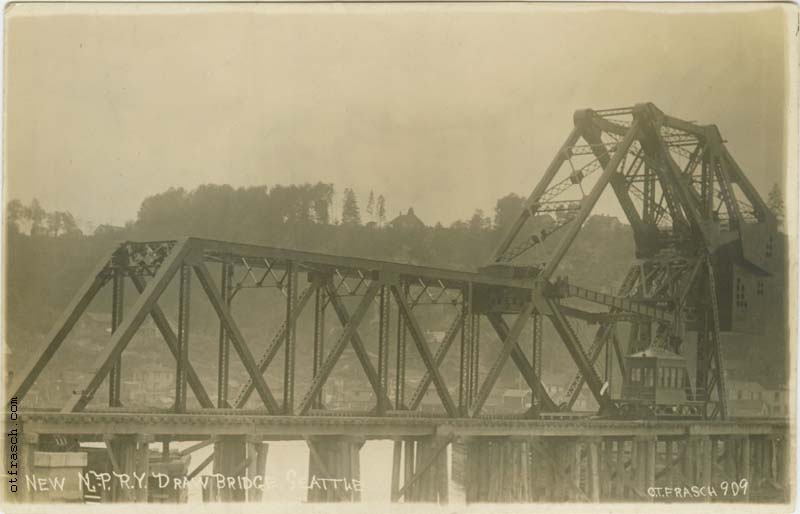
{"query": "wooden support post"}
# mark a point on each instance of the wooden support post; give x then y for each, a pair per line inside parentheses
(142, 466)
(606, 468)
(257, 461)
(594, 469)
(408, 464)
(619, 483)
(758, 456)
(426, 482)
(525, 494)
(639, 467)
(423, 484)
(715, 474)
(669, 460)
(729, 461)
(123, 451)
(230, 456)
(687, 464)
(334, 457)
(772, 442)
(397, 457)
(706, 460)
(575, 471)
(744, 468)
(651, 445)
(355, 468)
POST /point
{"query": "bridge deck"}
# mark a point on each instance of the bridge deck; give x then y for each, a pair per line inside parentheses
(191, 425)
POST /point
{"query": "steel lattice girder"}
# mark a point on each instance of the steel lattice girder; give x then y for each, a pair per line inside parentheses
(197, 254)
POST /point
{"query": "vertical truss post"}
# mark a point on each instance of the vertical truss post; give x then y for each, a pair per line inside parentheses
(383, 348)
(464, 386)
(701, 389)
(224, 355)
(171, 340)
(475, 352)
(232, 329)
(607, 365)
(319, 338)
(291, 339)
(184, 301)
(140, 310)
(536, 354)
(400, 375)
(648, 202)
(117, 308)
(714, 350)
(707, 186)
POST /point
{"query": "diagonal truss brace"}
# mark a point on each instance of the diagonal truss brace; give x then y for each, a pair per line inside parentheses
(441, 352)
(575, 349)
(524, 367)
(424, 350)
(333, 357)
(232, 329)
(122, 336)
(508, 344)
(358, 345)
(171, 339)
(277, 341)
(78, 304)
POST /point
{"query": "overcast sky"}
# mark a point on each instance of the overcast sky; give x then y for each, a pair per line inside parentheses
(442, 108)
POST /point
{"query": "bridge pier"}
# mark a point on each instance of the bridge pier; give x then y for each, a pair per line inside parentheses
(237, 458)
(334, 469)
(498, 469)
(130, 457)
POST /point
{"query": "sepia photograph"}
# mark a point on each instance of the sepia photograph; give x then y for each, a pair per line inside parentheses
(405, 256)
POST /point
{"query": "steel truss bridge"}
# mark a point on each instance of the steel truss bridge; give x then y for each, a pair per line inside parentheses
(692, 213)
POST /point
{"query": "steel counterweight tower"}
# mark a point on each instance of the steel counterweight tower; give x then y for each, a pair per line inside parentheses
(696, 221)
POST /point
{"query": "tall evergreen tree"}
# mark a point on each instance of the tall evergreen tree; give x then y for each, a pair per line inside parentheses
(775, 201)
(371, 206)
(350, 212)
(381, 206)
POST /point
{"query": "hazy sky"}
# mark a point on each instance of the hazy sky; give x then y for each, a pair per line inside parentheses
(444, 107)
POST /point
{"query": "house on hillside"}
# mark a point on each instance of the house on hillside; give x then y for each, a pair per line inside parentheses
(750, 398)
(517, 398)
(409, 220)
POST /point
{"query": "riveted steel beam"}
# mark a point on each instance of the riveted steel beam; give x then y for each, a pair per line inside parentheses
(129, 326)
